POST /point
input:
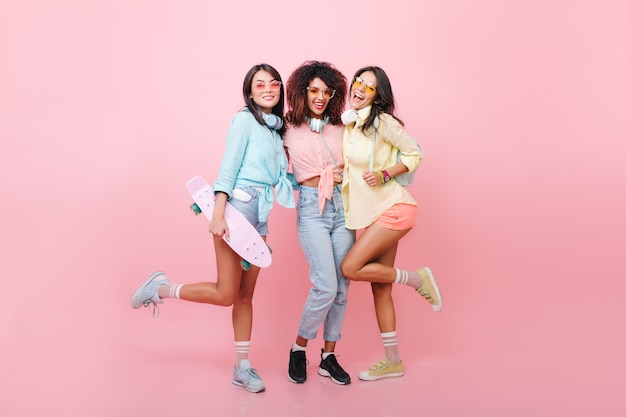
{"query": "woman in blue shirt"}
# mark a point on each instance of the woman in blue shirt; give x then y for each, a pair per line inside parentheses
(253, 164)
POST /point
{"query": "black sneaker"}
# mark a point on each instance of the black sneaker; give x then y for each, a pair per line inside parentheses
(297, 366)
(330, 367)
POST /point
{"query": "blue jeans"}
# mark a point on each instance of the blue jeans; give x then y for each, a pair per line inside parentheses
(325, 242)
(250, 210)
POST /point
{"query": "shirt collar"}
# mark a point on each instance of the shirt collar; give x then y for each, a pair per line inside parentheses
(363, 114)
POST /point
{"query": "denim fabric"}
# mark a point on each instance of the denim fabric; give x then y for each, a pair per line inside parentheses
(325, 242)
(255, 157)
(250, 210)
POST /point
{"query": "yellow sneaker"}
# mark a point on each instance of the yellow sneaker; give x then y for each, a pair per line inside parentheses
(429, 289)
(383, 369)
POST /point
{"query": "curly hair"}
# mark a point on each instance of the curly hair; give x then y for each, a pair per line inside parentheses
(297, 91)
(384, 101)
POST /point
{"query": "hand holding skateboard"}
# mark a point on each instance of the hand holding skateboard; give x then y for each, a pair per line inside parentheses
(242, 237)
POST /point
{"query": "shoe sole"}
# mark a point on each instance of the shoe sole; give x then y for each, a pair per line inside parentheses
(376, 378)
(436, 307)
(294, 381)
(145, 284)
(239, 384)
(324, 372)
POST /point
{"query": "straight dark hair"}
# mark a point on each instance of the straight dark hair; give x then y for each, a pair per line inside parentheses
(384, 101)
(254, 108)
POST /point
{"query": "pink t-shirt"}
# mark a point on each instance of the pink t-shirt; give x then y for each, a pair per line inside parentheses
(311, 155)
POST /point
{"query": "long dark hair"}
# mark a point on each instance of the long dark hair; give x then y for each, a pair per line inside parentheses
(384, 101)
(297, 91)
(254, 108)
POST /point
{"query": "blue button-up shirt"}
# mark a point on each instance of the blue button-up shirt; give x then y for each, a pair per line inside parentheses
(255, 157)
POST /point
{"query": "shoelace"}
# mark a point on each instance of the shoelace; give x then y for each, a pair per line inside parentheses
(155, 308)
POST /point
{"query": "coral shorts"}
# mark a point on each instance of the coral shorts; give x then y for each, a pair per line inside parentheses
(400, 216)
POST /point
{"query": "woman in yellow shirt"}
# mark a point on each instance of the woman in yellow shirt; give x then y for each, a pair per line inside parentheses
(374, 201)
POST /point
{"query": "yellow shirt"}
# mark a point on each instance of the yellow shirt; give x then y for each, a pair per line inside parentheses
(363, 204)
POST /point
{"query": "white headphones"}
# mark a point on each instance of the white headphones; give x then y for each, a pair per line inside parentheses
(271, 120)
(316, 125)
(348, 117)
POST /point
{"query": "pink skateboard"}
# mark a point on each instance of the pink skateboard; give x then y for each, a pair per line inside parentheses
(244, 239)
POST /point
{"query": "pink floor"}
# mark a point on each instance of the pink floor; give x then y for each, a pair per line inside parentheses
(188, 383)
(128, 364)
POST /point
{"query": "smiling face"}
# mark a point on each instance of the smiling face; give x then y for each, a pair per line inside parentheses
(265, 90)
(318, 96)
(363, 90)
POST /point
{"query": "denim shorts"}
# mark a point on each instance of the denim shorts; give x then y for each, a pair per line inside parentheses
(250, 209)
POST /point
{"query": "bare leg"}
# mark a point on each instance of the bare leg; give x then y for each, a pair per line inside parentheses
(242, 307)
(225, 291)
(362, 264)
(301, 341)
(371, 259)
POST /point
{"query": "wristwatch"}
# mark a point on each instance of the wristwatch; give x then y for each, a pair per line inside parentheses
(386, 176)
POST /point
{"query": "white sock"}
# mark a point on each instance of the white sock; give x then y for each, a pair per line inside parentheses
(410, 278)
(169, 291)
(402, 277)
(296, 347)
(390, 343)
(241, 351)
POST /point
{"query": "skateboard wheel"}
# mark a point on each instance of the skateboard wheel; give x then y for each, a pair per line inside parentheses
(245, 265)
(195, 208)
(268, 246)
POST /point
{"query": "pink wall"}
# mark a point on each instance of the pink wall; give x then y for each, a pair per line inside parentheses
(108, 107)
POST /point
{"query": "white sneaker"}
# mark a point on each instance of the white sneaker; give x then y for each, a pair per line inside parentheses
(247, 377)
(147, 295)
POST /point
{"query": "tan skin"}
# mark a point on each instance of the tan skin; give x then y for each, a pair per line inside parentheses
(234, 286)
(372, 257)
(316, 107)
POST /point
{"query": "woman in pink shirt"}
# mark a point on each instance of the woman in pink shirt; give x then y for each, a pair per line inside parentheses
(316, 94)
